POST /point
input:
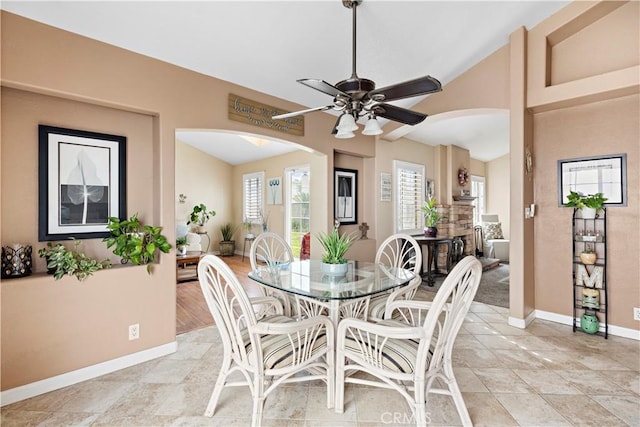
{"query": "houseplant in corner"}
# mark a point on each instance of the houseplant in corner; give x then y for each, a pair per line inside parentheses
(588, 204)
(135, 241)
(61, 261)
(335, 247)
(431, 217)
(199, 217)
(227, 244)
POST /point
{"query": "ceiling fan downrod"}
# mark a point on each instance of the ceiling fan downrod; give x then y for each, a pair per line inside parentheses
(355, 86)
(353, 4)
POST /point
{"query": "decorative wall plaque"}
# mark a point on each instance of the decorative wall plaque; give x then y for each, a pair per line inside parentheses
(257, 114)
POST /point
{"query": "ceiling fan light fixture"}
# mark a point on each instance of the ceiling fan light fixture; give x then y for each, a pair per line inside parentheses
(344, 134)
(347, 123)
(372, 127)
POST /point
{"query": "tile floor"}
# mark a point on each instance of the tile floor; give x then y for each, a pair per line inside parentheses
(542, 376)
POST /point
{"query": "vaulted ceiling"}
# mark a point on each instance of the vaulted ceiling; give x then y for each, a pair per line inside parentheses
(267, 45)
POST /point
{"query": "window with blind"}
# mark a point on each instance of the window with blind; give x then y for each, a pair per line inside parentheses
(252, 196)
(409, 197)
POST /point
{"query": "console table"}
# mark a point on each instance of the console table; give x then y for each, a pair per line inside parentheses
(432, 244)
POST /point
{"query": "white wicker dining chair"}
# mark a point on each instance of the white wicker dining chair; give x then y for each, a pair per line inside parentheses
(409, 357)
(270, 249)
(401, 251)
(268, 352)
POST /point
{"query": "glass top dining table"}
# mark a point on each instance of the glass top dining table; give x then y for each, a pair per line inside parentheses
(307, 279)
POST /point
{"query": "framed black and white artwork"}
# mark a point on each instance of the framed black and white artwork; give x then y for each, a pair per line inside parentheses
(81, 183)
(345, 195)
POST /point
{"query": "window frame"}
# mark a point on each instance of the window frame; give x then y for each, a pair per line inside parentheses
(398, 166)
(246, 214)
(479, 209)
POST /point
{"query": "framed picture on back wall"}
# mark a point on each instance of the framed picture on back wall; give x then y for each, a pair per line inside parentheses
(81, 183)
(345, 191)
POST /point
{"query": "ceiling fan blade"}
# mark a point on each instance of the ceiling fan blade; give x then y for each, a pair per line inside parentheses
(398, 114)
(301, 112)
(324, 87)
(420, 86)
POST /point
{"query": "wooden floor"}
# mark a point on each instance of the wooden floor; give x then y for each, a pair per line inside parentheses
(191, 309)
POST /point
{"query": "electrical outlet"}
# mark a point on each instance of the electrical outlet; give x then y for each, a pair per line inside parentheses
(636, 313)
(134, 332)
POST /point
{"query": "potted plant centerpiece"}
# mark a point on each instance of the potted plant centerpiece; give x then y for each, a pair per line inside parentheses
(199, 217)
(181, 245)
(135, 242)
(61, 261)
(589, 204)
(335, 247)
(227, 244)
(431, 217)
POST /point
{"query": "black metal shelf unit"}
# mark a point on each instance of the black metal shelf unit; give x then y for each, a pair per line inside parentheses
(590, 293)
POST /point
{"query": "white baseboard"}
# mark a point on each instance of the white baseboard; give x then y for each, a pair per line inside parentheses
(64, 380)
(568, 320)
(522, 323)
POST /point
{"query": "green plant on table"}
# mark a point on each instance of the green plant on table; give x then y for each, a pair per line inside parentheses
(71, 261)
(430, 212)
(335, 245)
(579, 200)
(136, 242)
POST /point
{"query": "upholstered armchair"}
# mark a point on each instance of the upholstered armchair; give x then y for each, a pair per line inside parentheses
(495, 245)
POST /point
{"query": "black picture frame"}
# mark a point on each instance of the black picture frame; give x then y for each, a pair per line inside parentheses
(589, 175)
(82, 179)
(345, 205)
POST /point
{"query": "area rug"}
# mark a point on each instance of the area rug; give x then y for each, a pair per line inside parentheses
(493, 289)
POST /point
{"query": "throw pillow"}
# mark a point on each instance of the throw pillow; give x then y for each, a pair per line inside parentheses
(493, 230)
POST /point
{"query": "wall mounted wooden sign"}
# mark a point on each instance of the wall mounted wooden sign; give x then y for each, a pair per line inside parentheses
(258, 114)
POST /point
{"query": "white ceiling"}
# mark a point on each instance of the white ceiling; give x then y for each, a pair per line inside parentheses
(267, 45)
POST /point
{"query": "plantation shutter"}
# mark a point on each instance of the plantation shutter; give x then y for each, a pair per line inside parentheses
(252, 189)
(409, 197)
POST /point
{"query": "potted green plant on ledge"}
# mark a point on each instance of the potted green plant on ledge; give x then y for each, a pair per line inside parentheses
(431, 217)
(61, 261)
(335, 247)
(136, 242)
(199, 217)
(227, 244)
(588, 204)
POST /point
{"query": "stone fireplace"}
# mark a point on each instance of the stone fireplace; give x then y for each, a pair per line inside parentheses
(458, 224)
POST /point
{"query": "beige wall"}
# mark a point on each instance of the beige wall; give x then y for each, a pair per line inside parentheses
(51, 328)
(275, 166)
(405, 150)
(589, 126)
(477, 167)
(607, 127)
(204, 179)
(497, 188)
(457, 158)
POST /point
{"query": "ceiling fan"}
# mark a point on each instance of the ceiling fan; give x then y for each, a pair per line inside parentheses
(358, 97)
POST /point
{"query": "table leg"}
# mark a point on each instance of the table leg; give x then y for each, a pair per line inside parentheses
(334, 312)
(430, 255)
